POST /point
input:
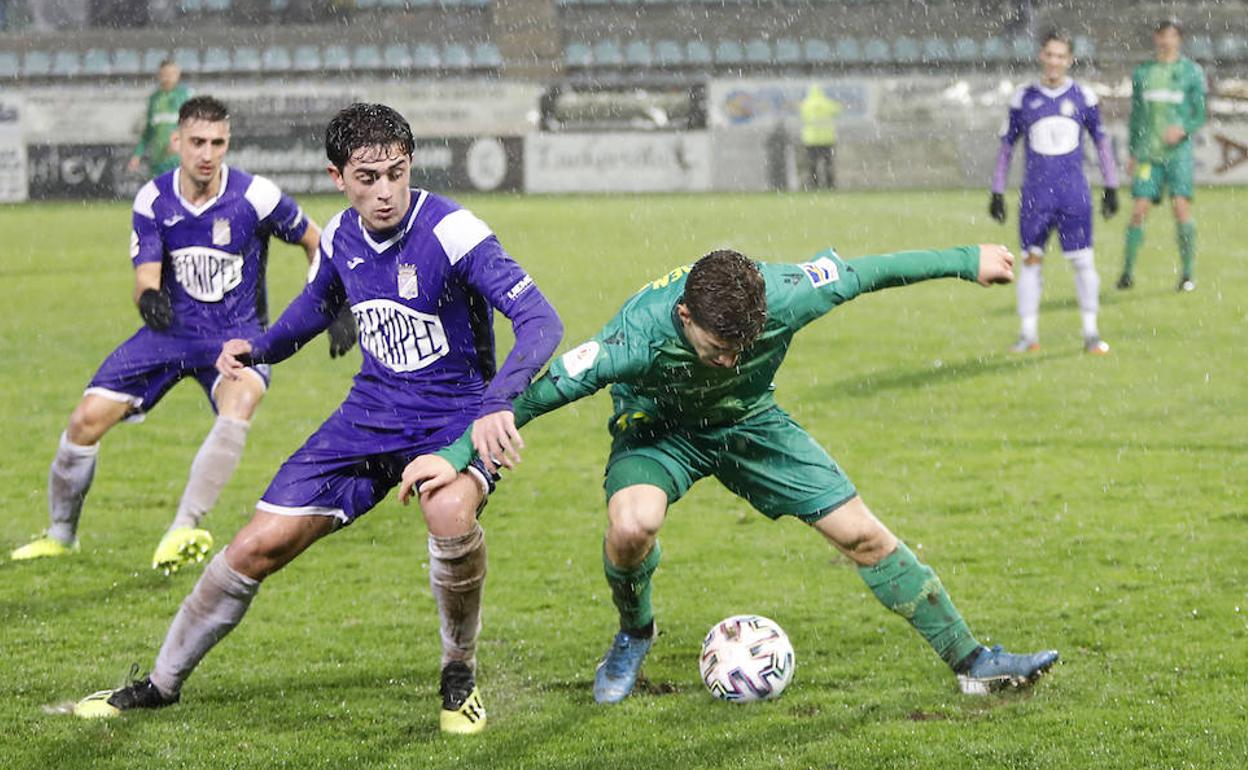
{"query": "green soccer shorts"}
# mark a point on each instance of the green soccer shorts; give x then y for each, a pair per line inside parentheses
(768, 459)
(1174, 173)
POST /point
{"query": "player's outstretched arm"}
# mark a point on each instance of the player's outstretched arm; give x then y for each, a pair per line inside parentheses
(996, 264)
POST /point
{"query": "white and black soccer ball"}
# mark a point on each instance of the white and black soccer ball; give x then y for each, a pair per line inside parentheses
(746, 658)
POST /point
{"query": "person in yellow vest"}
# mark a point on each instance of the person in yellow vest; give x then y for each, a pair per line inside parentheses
(819, 137)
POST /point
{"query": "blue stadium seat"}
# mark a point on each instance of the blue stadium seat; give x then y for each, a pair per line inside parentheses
(848, 51)
(66, 64)
(1199, 47)
(697, 52)
(216, 60)
(994, 49)
(729, 52)
(788, 51)
(393, 3)
(965, 50)
(192, 6)
(306, 58)
(877, 51)
(936, 51)
(396, 56)
(1023, 48)
(906, 50)
(638, 54)
(1084, 46)
(9, 64)
(456, 57)
(96, 62)
(365, 5)
(578, 55)
(366, 57)
(126, 62)
(426, 56)
(758, 51)
(486, 56)
(817, 51)
(36, 64)
(187, 59)
(1231, 48)
(276, 58)
(152, 58)
(669, 53)
(607, 53)
(217, 5)
(246, 59)
(336, 58)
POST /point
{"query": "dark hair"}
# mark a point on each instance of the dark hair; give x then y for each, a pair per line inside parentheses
(1166, 24)
(205, 108)
(167, 62)
(726, 295)
(1060, 36)
(366, 125)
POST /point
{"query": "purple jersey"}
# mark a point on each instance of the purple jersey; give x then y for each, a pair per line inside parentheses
(213, 257)
(1053, 121)
(423, 300)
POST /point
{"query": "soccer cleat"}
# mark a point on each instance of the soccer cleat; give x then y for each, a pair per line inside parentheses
(141, 694)
(616, 674)
(1095, 346)
(1125, 282)
(181, 547)
(997, 669)
(1025, 345)
(43, 546)
(1185, 284)
(462, 712)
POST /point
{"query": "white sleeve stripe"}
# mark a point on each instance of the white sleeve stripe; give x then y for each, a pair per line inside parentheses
(327, 235)
(146, 197)
(459, 232)
(263, 196)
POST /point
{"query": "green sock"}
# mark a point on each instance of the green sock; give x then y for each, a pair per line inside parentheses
(911, 589)
(630, 588)
(1135, 238)
(1187, 248)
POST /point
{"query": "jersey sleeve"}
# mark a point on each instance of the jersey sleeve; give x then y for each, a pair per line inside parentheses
(1138, 127)
(1100, 137)
(146, 244)
(276, 210)
(1011, 130)
(307, 315)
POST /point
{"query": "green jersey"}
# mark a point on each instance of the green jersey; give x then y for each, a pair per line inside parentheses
(162, 121)
(1163, 95)
(656, 374)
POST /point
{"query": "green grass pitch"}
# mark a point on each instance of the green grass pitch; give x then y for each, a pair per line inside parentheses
(1092, 505)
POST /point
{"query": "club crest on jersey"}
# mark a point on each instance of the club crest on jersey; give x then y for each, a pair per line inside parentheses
(401, 339)
(1067, 107)
(407, 282)
(821, 272)
(221, 232)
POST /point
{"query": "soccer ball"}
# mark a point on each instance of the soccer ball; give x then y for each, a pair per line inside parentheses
(746, 658)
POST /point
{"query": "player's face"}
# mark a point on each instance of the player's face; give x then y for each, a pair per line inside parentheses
(1167, 43)
(201, 145)
(168, 76)
(377, 183)
(711, 350)
(1056, 59)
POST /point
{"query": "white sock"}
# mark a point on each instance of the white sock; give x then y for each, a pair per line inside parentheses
(213, 466)
(1087, 289)
(457, 576)
(1030, 286)
(69, 478)
(213, 608)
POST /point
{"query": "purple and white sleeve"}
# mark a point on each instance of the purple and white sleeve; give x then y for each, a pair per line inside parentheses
(1010, 132)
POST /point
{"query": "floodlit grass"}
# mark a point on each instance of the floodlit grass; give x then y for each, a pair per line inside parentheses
(1092, 505)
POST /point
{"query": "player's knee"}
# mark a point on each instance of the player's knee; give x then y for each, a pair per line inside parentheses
(1033, 258)
(451, 510)
(869, 544)
(632, 532)
(87, 425)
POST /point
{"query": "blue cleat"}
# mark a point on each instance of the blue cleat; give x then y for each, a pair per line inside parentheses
(617, 672)
(997, 669)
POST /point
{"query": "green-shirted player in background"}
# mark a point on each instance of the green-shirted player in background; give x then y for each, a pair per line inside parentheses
(162, 121)
(1167, 108)
(691, 359)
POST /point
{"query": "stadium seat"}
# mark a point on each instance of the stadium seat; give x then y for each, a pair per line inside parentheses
(848, 51)
(365, 5)
(758, 51)
(66, 64)
(276, 58)
(187, 59)
(152, 58)
(306, 58)
(426, 56)
(10, 67)
(669, 53)
(217, 5)
(1023, 49)
(638, 54)
(965, 50)
(817, 51)
(246, 59)
(96, 62)
(994, 49)
(877, 51)
(1231, 48)
(578, 55)
(126, 62)
(36, 64)
(366, 57)
(906, 50)
(486, 56)
(1199, 47)
(216, 60)
(456, 57)
(788, 51)
(936, 51)
(729, 52)
(191, 6)
(336, 58)
(607, 53)
(697, 52)
(396, 56)
(1084, 47)
(393, 3)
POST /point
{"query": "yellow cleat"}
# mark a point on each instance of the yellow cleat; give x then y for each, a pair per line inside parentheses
(181, 547)
(96, 706)
(43, 546)
(468, 719)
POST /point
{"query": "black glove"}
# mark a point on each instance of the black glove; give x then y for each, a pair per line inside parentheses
(341, 332)
(1109, 203)
(156, 309)
(996, 207)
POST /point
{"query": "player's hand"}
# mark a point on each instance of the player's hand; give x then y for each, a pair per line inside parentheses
(235, 357)
(156, 309)
(134, 164)
(497, 440)
(996, 264)
(1109, 203)
(1173, 135)
(425, 474)
(341, 332)
(996, 207)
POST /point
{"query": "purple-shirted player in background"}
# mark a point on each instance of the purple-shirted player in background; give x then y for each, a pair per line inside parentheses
(199, 247)
(1053, 115)
(422, 277)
